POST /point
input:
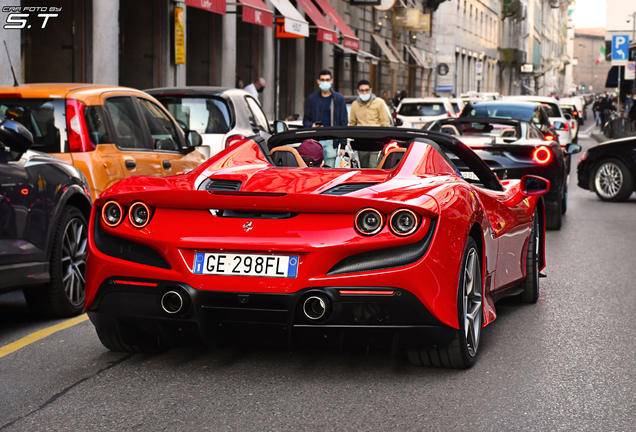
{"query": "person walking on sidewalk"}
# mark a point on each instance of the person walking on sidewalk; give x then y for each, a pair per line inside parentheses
(326, 108)
(368, 110)
(256, 87)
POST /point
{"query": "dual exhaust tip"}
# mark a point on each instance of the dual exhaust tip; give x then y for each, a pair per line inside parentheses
(317, 307)
(174, 301)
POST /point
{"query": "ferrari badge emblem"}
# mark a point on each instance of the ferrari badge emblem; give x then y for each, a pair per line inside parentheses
(248, 226)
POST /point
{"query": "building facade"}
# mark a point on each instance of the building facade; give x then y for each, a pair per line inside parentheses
(587, 75)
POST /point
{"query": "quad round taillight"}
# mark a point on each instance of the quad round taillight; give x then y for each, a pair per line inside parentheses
(403, 222)
(139, 215)
(542, 155)
(112, 213)
(369, 221)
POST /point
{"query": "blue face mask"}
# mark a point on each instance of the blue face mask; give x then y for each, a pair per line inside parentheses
(325, 86)
(365, 97)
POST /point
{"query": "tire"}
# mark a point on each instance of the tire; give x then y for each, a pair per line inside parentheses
(64, 295)
(144, 345)
(530, 284)
(554, 220)
(564, 205)
(612, 180)
(461, 352)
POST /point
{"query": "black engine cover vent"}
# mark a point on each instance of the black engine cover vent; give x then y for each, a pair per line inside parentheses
(220, 185)
(346, 188)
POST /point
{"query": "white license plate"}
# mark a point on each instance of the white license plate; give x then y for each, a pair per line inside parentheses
(283, 266)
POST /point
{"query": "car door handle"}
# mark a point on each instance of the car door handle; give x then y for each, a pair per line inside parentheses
(167, 164)
(130, 164)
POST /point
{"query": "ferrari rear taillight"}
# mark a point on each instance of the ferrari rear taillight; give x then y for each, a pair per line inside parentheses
(112, 214)
(403, 222)
(369, 221)
(542, 155)
(139, 215)
(76, 129)
(233, 140)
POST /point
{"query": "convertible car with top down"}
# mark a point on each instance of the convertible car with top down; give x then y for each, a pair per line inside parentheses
(405, 249)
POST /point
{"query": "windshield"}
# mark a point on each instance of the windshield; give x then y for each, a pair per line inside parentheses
(551, 109)
(422, 109)
(204, 115)
(529, 113)
(44, 118)
(500, 133)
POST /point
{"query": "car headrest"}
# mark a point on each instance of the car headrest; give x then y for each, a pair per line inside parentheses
(287, 157)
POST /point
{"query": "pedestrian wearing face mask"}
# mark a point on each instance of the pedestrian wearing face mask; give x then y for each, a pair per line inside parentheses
(368, 110)
(325, 107)
(256, 87)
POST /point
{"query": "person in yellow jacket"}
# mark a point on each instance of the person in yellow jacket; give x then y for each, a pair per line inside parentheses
(368, 110)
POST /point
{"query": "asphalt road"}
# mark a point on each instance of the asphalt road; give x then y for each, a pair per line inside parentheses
(567, 363)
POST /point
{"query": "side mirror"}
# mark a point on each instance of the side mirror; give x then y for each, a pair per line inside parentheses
(280, 126)
(534, 185)
(194, 139)
(559, 125)
(15, 136)
(399, 122)
(572, 149)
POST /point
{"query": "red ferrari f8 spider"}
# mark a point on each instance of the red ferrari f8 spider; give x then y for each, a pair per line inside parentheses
(402, 248)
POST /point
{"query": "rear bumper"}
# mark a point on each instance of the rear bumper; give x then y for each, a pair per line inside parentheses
(213, 315)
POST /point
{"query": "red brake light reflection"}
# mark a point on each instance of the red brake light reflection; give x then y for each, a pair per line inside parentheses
(549, 138)
(542, 155)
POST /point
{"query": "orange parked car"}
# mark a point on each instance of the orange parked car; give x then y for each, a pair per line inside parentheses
(107, 132)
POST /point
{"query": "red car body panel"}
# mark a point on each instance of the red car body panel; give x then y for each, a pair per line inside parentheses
(322, 233)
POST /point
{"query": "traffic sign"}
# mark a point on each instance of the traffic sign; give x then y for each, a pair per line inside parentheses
(630, 71)
(620, 49)
(479, 68)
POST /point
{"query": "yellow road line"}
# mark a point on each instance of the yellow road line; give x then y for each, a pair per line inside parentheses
(40, 334)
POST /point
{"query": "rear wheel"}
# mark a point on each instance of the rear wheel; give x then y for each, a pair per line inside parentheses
(461, 353)
(146, 344)
(64, 296)
(613, 180)
(530, 284)
(564, 205)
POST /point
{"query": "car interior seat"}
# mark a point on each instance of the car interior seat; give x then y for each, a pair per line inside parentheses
(287, 157)
(392, 158)
(450, 129)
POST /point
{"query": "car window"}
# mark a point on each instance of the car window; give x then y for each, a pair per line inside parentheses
(551, 109)
(97, 130)
(456, 107)
(126, 122)
(162, 129)
(257, 119)
(44, 118)
(204, 115)
(529, 113)
(422, 109)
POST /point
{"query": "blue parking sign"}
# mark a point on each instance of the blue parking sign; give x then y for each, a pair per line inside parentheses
(620, 47)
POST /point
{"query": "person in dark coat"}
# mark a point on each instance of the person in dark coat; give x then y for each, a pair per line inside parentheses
(325, 107)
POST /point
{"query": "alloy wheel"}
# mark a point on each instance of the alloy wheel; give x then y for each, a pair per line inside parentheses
(74, 261)
(472, 302)
(609, 180)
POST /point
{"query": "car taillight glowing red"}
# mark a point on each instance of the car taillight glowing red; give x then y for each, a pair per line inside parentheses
(233, 140)
(76, 129)
(449, 114)
(575, 113)
(542, 155)
(566, 127)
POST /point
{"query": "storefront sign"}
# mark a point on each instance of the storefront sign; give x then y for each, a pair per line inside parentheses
(281, 33)
(365, 2)
(257, 16)
(216, 6)
(179, 35)
(327, 36)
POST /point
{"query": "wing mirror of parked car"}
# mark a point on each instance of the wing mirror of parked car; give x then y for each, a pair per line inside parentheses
(533, 185)
(559, 125)
(280, 126)
(573, 149)
(194, 139)
(399, 122)
(15, 136)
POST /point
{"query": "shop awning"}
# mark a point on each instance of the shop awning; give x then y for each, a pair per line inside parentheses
(294, 21)
(361, 56)
(216, 6)
(366, 55)
(385, 49)
(413, 53)
(325, 32)
(257, 12)
(396, 53)
(350, 40)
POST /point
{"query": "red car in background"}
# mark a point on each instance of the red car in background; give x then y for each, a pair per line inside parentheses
(406, 249)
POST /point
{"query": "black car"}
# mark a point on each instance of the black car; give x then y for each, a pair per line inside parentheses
(44, 205)
(512, 149)
(609, 169)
